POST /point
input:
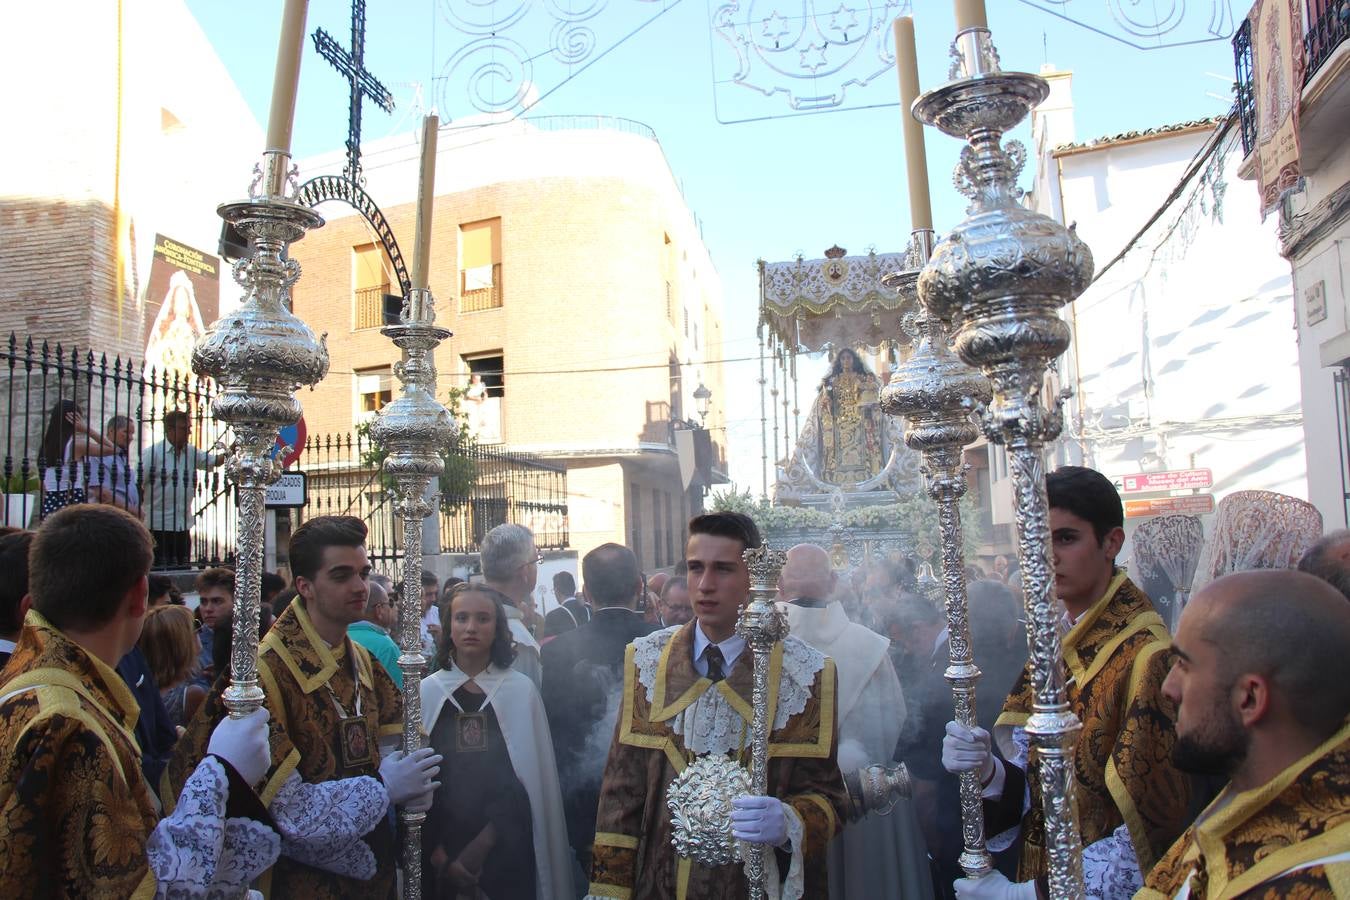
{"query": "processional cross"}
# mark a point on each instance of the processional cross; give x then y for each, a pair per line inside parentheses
(363, 83)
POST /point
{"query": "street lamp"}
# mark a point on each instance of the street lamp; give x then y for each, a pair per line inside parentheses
(703, 397)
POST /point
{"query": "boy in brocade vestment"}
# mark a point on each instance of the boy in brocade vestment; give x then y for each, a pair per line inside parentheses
(687, 693)
(77, 819)
(336, 720)
(1131, 801)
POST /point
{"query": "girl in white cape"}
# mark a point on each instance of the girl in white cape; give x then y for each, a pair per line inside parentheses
(495, 830)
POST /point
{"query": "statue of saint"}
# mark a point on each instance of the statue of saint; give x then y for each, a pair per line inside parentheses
(849, 428)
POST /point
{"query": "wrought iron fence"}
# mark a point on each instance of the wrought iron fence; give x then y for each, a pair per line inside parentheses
(502, 486)
(78, 426)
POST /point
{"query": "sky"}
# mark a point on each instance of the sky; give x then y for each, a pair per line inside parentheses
(771, 189)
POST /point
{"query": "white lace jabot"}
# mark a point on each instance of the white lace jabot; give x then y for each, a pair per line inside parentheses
(710, 724)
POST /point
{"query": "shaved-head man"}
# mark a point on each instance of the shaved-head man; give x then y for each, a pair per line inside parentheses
(879, 856)
(1262, 682)
(807, 578)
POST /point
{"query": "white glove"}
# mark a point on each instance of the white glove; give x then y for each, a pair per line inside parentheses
(243, 744)
(994, 886)
(967, 750)
(422, 803)
(408, 776)
(760, 820)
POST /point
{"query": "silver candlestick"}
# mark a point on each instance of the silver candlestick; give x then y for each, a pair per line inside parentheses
(936, 393)
(413, 430)
(761, 625)
(259, 355)
(1002, 275)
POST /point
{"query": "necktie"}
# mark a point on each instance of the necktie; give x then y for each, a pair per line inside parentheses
(713, 657)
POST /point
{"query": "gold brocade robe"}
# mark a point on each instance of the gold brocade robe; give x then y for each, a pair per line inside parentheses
(75, 811)
(633, 857)
(1288, 838)
(294, 665)
(1116, 655)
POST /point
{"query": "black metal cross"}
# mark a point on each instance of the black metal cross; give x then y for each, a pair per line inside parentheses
(363, 83)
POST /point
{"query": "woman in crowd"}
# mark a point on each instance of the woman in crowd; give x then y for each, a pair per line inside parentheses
(65, 444)
(169, 642)
(496, 825)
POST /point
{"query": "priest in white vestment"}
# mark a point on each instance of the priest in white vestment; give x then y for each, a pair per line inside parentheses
(879, 855)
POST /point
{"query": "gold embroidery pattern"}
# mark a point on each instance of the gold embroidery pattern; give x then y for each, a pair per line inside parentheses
(75, 812)
(1116, 659)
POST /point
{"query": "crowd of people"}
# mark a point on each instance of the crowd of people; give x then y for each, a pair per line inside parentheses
(1213, 762)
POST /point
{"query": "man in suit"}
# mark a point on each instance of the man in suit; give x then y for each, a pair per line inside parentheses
(583, 684)
(572, 611)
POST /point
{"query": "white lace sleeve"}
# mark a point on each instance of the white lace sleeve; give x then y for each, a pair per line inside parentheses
(322, 824)
(197, 852)
(794, 885)
(1022, 749)
(1110, 867)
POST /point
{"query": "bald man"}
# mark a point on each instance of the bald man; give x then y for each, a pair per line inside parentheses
(1262, 681)
(879, 856)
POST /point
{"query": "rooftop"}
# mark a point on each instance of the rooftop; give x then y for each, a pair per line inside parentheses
(1146, 134)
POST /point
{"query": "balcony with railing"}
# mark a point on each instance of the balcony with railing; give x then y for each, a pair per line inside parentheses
(1326, 32)
(1322, 110)
(368, 306)
(477, 292)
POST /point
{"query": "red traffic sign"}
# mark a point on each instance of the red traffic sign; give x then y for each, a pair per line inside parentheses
(1180, 480)
(1188, 505)
(291, 442)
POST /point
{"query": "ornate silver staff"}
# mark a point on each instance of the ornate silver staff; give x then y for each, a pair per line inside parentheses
(761, 625)
(1003, 274)
(936, 393)
(261, 353)
(413, 430)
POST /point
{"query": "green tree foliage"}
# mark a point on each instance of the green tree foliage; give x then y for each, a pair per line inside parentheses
(460, 475)
(915, 514)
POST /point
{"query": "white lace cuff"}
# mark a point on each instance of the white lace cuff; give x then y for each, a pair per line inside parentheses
(197, 852)
(1110, 867)
(322, 824)
(794, 885)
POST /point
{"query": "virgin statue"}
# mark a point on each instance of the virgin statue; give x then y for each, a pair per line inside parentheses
(849, 431)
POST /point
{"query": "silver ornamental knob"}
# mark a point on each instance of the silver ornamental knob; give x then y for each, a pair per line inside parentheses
(877, 788)
(699, 800)
(936, 393)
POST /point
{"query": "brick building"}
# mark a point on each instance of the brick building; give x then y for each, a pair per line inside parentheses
(144, 137)
(574, 278)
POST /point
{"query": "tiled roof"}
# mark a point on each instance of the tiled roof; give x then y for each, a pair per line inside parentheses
(1128, 136)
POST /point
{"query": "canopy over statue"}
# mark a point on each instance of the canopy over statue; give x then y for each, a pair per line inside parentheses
(838, 301)
(841, 441)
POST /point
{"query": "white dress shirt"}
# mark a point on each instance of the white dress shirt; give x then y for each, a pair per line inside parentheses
(731, 648)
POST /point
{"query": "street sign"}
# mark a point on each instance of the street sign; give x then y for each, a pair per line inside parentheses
(1180, 480)
(1187, 505)
(291, 442)
(289, 492)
